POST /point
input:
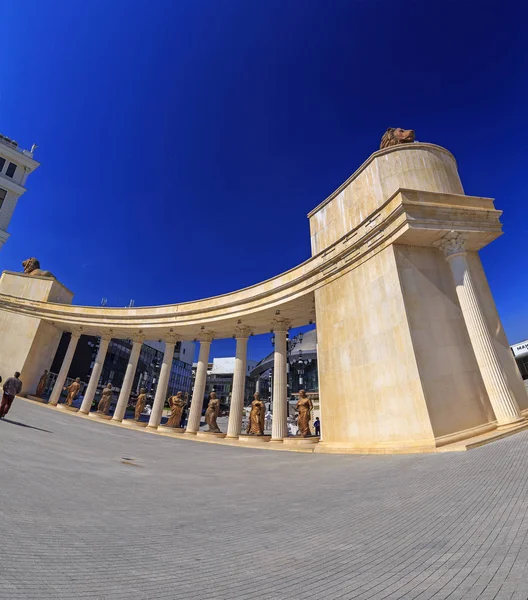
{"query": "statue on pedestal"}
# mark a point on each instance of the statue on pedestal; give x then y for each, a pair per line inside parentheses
(256, 416)
(177, 404)
(304, 407)
(106, 398)
(73, 391)
(32, 267)
(396, 135)
(42, 384)
(140, 404)
(211, 414)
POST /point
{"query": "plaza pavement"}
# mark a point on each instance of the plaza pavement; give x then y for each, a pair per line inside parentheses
(91, 511)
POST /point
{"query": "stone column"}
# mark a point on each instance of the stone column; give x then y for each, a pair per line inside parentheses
(65, 367)
(279, 428)
(126, 388)
(500, 394)
(195, 412)
(163, 384)
(257, 386)
(96, 374)
(239, 383)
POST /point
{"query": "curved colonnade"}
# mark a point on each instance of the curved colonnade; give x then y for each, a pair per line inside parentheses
(375, 241)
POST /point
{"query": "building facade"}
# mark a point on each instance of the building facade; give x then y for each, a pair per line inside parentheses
(220, 374)
(15, 166)
(116, 360)
(520, 352)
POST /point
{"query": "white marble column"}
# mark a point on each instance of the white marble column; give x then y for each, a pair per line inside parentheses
(500, 394)
(163, 384)
(195, 412)
(89, 394)
(126, 388)
(65, 367)
(257, 386)
(279, 429)
(234, 424)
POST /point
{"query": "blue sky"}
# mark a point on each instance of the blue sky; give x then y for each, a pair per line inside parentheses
(182, 142)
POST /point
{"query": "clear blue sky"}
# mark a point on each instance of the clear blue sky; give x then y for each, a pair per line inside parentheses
(182, 142)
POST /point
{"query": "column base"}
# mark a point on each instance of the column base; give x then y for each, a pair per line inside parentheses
(190, 432)
(276, 440)
(514, 421)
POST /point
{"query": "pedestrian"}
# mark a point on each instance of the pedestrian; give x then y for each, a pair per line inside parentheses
(12, 387)
(317, 426)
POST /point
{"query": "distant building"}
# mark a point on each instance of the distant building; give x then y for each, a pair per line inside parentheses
(302, 368)
(114, 367)
(220, 379)
(15, 166)
(520, 352)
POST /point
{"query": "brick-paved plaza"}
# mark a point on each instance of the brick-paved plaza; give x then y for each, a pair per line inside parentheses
(202, 521)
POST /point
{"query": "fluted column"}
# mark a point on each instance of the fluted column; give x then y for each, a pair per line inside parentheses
(128, 380)
(195, 412)
(500, 394)
(279, 429)
(96, 374)
(234, 424)
(65, 367)
(163, 384)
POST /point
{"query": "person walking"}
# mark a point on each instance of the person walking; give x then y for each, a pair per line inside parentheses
(12, 387)
(317, 426)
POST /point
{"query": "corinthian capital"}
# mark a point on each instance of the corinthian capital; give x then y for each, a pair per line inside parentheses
(280, 324)
(206, 336)
(452, 243)
(242, 331)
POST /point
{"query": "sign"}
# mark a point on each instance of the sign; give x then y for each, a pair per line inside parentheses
(520, 349)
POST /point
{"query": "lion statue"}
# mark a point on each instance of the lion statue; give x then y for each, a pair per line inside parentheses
(32, 267)
(396, 135)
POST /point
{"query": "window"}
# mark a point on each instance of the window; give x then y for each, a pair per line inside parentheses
(3, 194)
(2, 163)
(10, 171)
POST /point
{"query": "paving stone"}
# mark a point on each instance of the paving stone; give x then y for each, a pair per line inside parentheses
(199, 521)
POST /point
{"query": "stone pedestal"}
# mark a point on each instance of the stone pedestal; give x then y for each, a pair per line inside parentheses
(36, 399)
(134, 423)
(29, 343)
(210, 434)
(254, 439)
(67, 407)
(300, 441)
(167, 429)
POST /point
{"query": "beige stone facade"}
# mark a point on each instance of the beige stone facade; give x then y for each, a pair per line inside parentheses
(411, 352)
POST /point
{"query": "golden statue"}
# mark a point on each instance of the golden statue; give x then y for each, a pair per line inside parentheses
(73, 391)
(211, 414)
(256, 416)
(140, 404)
(304, 408)
(42, 384)
(177, 404)
(106, 398)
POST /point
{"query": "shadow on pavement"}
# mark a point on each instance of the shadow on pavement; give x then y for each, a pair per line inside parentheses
(24, 425)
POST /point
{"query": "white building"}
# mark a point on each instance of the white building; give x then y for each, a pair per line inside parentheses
(15, 166)
(220, 378)
(520, 351)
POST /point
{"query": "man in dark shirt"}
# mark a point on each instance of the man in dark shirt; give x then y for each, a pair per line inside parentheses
(12, 387)
(317, 426)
